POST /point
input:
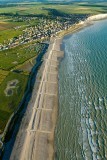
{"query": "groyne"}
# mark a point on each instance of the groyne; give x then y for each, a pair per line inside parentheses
(35, 139)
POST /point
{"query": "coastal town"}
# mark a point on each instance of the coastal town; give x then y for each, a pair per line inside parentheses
(43, 29)
(52, 108)
(27, 39)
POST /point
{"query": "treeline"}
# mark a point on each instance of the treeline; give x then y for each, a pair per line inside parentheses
(17, 14)
(7, 5)
(52, 14)
(74, 17)
(57, 13)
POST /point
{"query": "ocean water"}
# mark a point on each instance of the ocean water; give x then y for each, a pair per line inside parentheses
(81, 131)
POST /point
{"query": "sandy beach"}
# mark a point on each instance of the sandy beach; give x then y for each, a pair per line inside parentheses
(35, 139)
(76, 27)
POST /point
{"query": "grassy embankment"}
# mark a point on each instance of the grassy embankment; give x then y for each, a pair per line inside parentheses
(12, 68)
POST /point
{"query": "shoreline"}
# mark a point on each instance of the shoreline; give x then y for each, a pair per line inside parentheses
(37, 139)
(82, 24)
(50, 139)
(78, 27)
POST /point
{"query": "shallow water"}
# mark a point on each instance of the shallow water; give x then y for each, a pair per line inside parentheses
(81, 131)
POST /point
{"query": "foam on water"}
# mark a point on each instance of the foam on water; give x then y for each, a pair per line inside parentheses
(81, 132)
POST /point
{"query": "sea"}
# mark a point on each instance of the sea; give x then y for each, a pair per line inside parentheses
(81, 130)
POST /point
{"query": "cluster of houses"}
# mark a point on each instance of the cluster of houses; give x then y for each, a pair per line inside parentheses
(45, 28)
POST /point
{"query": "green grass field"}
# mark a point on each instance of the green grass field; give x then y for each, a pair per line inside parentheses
(39, 8)
(18, 55)
(8, 104)
(14, 59)
(7, 30)
(3, 75)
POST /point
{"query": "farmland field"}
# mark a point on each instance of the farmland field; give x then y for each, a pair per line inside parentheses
(9, 102)
(13, 78)
(18, 55)
(7, 25)
(40, 8)
(7, 29)
(10, 28)
(3, 75)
